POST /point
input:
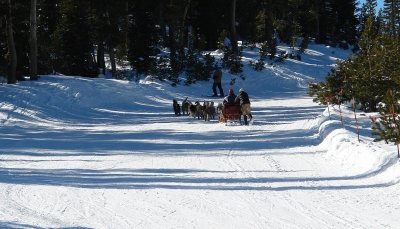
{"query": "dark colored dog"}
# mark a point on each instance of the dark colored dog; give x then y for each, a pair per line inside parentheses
(177, 108)
(200, 110)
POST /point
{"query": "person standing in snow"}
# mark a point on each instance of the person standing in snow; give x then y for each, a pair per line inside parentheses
(217, 77)
(243, 99)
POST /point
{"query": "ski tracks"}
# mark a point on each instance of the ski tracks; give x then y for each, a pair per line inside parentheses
(277, 199)
(47, 207)
(247, 197)
(15, 206)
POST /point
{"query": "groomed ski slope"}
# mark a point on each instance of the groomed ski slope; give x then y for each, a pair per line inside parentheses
(103, 153)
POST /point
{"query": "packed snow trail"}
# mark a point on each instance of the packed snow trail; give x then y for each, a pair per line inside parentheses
(99, 153)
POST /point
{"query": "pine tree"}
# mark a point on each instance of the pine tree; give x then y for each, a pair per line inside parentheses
(367, 11)
(73, 41)
(391, 15)
(314, 19)
(346, 28)
(48, 17)
(332, 90)
(367, 78)
(20, 14)
(211, 18)
(176, 14)
(99, 27)
(142, 37)
(387, 128)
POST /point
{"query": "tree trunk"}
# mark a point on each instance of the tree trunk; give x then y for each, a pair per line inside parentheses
(100, 57)
(162, 24)
(112, 60)
(317, 25)
(173, 50)
(329, 112)
(126, 28)
(110, 45)
(172, 43)
(355, 117)
(184, 30)
(33, 42)
(233, 28)
(12, 52)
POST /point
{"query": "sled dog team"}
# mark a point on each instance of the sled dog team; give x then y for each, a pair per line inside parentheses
(207, 110)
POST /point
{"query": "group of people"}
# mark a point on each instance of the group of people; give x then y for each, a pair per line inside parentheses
(242, 98)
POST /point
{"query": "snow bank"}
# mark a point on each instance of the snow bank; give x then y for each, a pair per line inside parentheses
(363, 157)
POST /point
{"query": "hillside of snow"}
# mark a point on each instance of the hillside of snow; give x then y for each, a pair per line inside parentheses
(103, 153)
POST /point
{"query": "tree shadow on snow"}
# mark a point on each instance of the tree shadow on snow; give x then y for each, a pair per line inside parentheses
(184, 179)
(118, 136)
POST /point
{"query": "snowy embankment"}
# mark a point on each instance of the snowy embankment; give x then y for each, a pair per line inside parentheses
(103, 153)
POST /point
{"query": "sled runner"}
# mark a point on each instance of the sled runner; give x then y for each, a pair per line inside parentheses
(230, 113)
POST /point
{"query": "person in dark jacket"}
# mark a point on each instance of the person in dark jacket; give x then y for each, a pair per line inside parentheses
(230, 98)
(217, 77)
(243, 99)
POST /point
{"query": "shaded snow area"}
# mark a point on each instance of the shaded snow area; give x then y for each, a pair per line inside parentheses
(103, 153)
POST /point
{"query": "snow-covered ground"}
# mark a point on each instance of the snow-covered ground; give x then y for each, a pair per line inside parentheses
(102, 153)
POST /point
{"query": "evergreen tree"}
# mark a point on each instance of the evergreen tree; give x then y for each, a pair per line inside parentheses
(210, 19)
(176, 13)
(48, 17)
(367, 11)
(21, 12)
(391, 15)
(346, 28)
(143, 37)
(113, 35)
(380, 22)
(367, 81)
(99, 23)
(73, 41)
(331, 91)
(387, 128)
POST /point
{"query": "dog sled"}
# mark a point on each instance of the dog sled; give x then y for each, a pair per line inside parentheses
(231, 113)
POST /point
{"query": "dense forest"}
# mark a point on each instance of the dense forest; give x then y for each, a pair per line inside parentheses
(158, 37)
(168, 38)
